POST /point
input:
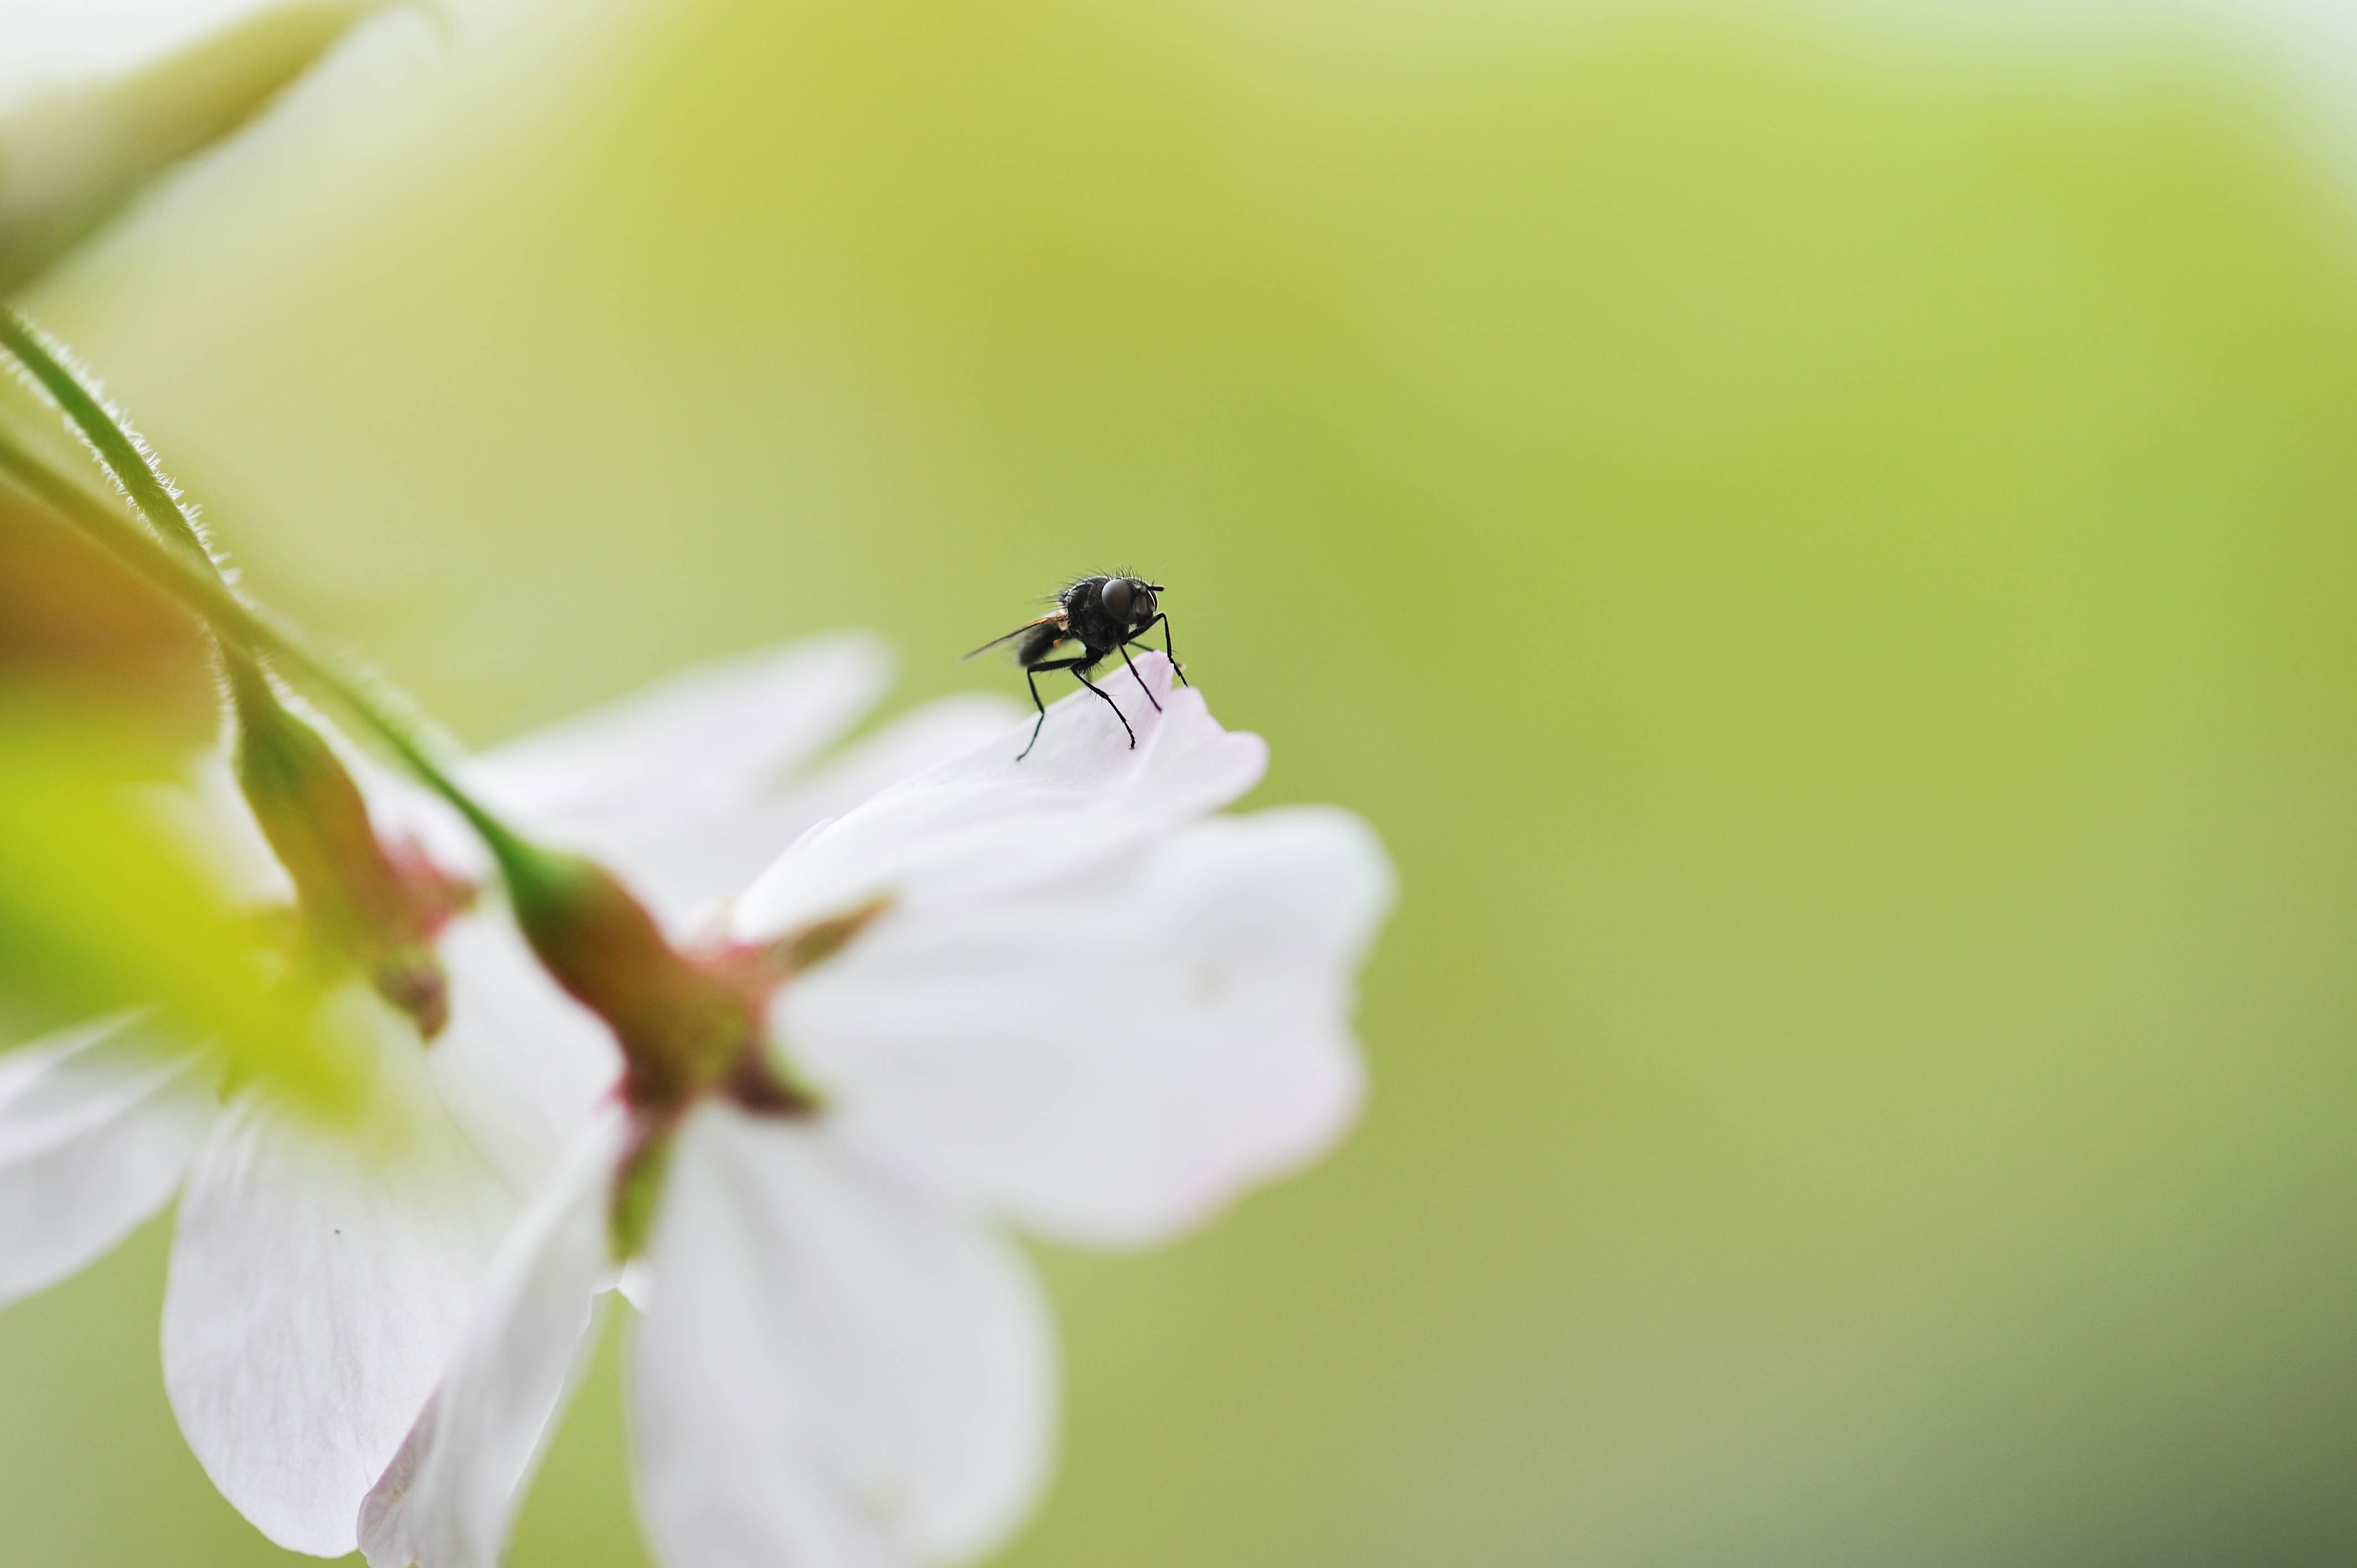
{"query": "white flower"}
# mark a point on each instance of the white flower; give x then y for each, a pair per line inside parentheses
(1071, 1000)
(319, 1279)
(318, 1276)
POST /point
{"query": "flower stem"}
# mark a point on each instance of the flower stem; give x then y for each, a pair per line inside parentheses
(111, 438)
(674, 1021)
(185, 568)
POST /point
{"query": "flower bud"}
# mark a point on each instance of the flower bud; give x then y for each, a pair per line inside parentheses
(375, 905)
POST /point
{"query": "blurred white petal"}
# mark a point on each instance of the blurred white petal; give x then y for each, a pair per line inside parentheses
(450, 1495)
(837, 1370)
(521, 1065)
(708, 738)
(319, 1279)
(987, 825)
(687, 862)
(939, 732)
(1112, 1057)
(97, 1125)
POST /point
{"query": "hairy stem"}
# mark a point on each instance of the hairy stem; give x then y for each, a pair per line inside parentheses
(111, 437)
(175, 559)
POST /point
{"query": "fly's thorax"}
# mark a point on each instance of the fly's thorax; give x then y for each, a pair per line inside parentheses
(1105, 612)
(1085, 617)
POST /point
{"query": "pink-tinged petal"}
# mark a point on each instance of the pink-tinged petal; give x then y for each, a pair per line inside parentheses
(318, 1281)
(97, 1126)
(522, 1066)
(989, 825)
(837, 1370)
(716, 733)
(936, 734)
(1111, 1059)
(689, 856)
(449, 1498)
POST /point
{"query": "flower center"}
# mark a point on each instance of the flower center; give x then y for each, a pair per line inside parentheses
(689, 1024)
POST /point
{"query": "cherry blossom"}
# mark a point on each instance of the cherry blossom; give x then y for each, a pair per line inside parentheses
(1058, 995)
(319, 1278)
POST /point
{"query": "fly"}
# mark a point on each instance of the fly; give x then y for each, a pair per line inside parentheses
(1104, 616)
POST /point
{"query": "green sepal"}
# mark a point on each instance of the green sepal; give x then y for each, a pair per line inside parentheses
(638, 1184)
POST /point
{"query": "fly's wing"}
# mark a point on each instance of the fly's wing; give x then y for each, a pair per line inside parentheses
(1053, 617)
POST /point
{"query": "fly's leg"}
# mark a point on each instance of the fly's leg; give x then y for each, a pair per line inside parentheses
(1139, 678)
(1175, 668)
(1031, 674)
(1031, 677)
(1083, 674)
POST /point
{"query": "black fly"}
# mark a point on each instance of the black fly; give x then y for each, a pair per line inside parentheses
(1104, 616)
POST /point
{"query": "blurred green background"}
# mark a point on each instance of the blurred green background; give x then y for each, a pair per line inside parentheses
(1828, 561)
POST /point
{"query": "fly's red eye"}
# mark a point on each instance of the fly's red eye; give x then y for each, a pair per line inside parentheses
(1116, 594)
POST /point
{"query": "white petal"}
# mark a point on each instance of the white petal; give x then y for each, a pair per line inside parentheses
(837, 1372)
(522, 1066)
(317, 1283)
(938, 734)
(1113, 1058)
(449, 1498)
(97, 1126)
(716, 733)
(989, 824)
(687, 857)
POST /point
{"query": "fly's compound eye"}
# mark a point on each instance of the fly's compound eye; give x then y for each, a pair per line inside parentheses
(1116, 594)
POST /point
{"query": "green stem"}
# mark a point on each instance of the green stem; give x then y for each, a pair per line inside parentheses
(191, 577)
(118, 446)
(127, 456)
(199, 582)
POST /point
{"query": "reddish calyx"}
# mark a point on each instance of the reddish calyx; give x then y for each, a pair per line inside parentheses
(689, 1023)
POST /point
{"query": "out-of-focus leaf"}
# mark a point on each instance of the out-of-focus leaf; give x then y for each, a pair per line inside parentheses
(68, 161)
(98, 913)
